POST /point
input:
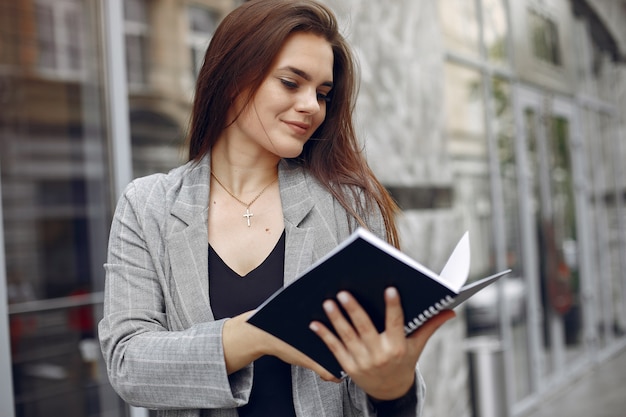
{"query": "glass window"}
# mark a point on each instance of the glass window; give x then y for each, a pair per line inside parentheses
(459, 23)
(156, 119)
(156, 142)
(465, 113)
(45, 37)
(567, 280)
(59, 27)
(597, 71)
(467, 145)
(135, 11)
(136, 29)
(202, 25)
(495, 31)
(54, 172)
(544, 38)
(606, 141)
(599, 228)
(514, 289)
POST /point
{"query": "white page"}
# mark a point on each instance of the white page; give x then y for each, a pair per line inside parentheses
(456, 270)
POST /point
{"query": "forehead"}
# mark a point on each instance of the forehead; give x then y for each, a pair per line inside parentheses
(307, 52)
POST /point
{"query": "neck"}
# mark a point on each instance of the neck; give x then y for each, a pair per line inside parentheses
(240, 172)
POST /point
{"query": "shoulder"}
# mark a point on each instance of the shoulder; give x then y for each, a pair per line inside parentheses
(164, 188)
(182, 190)
(163, 182)
(301, 189)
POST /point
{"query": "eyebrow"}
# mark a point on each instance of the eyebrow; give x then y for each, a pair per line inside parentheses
(306, 75)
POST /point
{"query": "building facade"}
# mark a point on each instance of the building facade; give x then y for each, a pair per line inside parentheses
(504, 118)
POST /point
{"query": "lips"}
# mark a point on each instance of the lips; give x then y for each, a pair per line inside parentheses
(298, 127)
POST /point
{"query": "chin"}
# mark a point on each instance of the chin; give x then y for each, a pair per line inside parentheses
(291, 155)
(289, 151)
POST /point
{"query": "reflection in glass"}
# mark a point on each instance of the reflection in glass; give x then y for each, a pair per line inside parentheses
(135, 11)
(56, 364)
(603, 207)
(495, 31)
(159, 100)
(539, 196)
(459, 24)
(45, 37)
(467, 145)
(514, 286)
(59, 45)
(610, 191)
(156, 142)
(136, 29)
(599, 229)
(557, 245)
(56, 206)
(544, 34)
(202, 24)
(564, 289)
(465, 114)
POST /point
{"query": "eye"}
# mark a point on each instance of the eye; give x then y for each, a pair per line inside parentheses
(323, 97)
(289, 84)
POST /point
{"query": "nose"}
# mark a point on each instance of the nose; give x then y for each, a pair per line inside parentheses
(308, 102)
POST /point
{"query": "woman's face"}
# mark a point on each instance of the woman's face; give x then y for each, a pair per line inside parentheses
(291, 102)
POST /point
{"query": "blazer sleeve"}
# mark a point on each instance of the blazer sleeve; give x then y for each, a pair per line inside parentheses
(148, 364)
(409, 405)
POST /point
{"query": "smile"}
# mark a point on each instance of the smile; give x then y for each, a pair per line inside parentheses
(299, 127)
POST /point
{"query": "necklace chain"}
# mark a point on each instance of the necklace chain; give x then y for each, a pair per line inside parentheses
(246, 205)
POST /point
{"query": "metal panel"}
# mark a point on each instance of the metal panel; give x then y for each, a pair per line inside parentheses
(7, 407)
(117, 94)
(522, 98)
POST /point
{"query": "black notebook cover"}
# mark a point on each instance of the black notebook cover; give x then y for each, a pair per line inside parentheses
(364, 265)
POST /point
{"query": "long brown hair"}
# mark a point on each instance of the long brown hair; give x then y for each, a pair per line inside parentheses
(239, 58)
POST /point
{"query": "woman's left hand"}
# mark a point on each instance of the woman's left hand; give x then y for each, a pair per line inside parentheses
(382, 364)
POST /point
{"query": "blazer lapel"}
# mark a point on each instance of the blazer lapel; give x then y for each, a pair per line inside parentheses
(297, 203)
(188, 246)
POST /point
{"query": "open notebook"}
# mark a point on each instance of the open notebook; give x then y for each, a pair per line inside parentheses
(365, 265)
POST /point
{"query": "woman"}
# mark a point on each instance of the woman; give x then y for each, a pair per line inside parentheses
(275, 180)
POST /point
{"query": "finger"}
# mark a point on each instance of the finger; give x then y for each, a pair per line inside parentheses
(343, 327)
(360, 320)
(321, 371)
(394, 316)
(292, 355)
(318, 369)
(335, 345)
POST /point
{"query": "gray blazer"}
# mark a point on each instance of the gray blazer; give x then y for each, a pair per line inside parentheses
(161, 343)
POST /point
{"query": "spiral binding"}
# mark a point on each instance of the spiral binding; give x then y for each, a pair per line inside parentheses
(430, 312)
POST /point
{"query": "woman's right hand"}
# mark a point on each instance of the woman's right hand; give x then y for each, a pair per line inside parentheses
(244, 343)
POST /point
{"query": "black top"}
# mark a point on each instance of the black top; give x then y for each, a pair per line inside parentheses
(231, 294)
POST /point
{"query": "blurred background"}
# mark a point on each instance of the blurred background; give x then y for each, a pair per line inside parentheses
(505, 118)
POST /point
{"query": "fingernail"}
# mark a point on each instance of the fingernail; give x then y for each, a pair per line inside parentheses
(314, 326)
(328, 306)
(391, 292)
(343, 297)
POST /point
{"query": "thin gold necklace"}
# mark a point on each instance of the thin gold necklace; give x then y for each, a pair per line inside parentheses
(248, 214)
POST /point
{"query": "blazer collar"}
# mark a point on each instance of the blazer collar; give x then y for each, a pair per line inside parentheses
(295, 194)
(191, 203)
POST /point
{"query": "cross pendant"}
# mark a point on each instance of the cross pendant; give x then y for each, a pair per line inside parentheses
(248, 215)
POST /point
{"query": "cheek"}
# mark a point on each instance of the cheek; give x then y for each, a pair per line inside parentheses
(320, 117)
